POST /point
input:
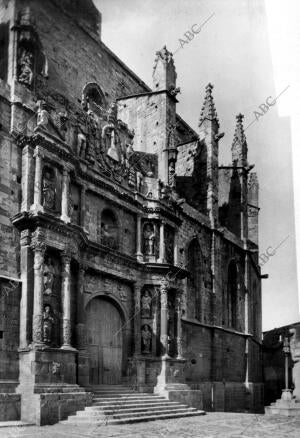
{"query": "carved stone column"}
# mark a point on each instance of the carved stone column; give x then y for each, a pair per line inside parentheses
(66, 299)
(139, 254)
(26, 267)
(80, 326)
(137, 319)
(27, 172)
(164, 317)
(176, 248)
(162, 242)
(178, 323)
(39, 247)
(37, 200)
(65, 197)
(82, 209)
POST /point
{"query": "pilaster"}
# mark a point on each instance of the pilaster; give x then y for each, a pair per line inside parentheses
(38, 246)
(66, 299)
(65, 196)
(37, 198)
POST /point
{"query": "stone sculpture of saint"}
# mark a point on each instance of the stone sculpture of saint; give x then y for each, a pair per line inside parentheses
(149, 239)
(112, 151)
(146, 339)
(43, 116)
(48, 275)
(26, 72)
(146, 304)
(48, 191)
(48, 322)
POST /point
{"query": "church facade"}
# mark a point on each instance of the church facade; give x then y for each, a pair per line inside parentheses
(128, 254)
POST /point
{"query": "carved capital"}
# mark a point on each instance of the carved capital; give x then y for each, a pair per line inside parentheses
(164, 285)
(66, 257)
(38, 241)
(38, 152)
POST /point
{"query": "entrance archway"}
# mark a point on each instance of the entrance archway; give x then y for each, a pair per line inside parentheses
(104, 341)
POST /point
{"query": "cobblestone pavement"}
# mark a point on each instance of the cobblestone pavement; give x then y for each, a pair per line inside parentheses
(212, 425)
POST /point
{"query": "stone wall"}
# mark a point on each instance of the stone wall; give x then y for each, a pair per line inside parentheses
(125, 234)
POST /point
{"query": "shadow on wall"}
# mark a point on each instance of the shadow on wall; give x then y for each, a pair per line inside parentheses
(193, 187)
(230, 212)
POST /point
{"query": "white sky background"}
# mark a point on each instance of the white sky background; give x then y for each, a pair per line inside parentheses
(249, 50)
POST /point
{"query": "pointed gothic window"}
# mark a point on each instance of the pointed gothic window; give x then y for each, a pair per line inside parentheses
(232, 295)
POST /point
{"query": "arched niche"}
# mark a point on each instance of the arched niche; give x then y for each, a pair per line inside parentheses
(93, 98)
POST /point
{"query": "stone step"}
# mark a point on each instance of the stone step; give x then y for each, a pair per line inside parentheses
(134, 419)
(120, 395)
(110, 411)
(15, 423)
(128, 401)
(130, 406)
(120, 415)
(124, 388)
(115, 392)
(120, 398)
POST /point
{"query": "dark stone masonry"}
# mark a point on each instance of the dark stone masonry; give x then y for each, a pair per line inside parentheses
(128, 255)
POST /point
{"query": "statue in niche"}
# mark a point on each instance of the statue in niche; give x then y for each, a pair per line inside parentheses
(112, 151)
(48, 322)
(81, 144)
(139, 181)
(146, 339)
(109, 229)
(42, 114)
(48, 189)
(149, 239)
(146, 302)
(48, 275)
(26, 68)
(105, 234)
(92, 128)
(108, 236)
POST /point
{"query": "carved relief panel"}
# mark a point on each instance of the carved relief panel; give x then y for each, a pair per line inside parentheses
(98, 283)
(52, 299)
(149, 308)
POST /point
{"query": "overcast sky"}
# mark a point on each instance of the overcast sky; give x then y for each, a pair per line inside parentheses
(248, 49)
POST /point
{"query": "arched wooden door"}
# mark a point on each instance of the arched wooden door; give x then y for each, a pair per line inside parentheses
(104, 338)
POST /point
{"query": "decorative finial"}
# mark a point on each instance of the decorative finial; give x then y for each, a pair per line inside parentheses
(163, 55)
(239, 134)
(208, 109)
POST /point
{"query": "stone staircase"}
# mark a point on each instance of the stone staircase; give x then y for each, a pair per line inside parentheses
(116, 404)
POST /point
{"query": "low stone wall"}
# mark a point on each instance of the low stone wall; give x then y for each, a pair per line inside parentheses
(10, 407)
(50, 408)
(231, 396)
(187, 397)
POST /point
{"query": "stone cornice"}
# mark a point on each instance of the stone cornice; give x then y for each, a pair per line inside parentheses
(163, 211)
